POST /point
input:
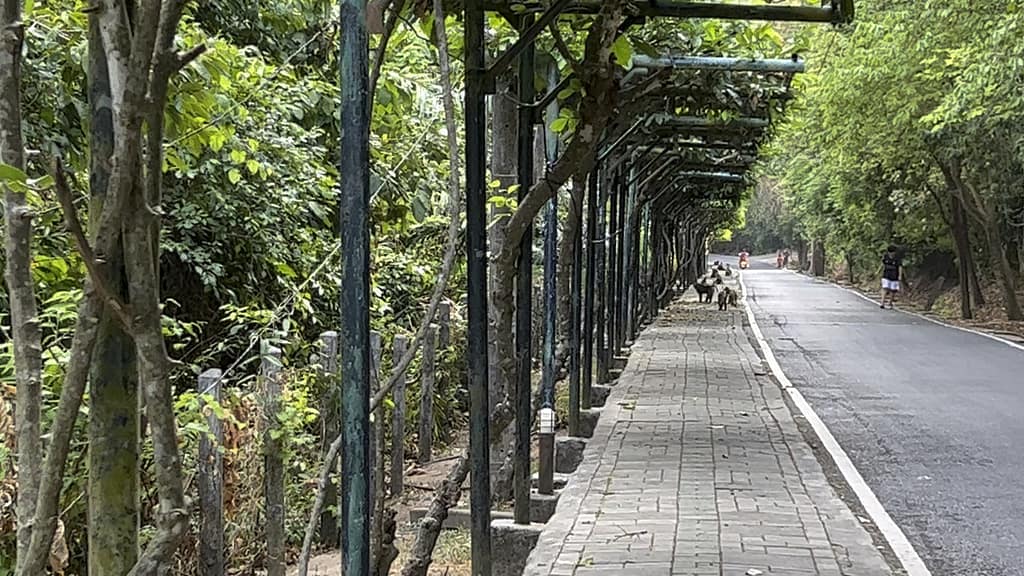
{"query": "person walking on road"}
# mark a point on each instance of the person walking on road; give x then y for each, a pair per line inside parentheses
(892, 268)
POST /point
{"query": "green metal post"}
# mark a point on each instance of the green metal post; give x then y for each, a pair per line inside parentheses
(355, 289)
(476, 288)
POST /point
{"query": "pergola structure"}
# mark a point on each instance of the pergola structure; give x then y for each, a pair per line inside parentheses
(670, 169)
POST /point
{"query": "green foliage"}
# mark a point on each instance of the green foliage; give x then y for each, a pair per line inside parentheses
(250, 236)
(910, 86)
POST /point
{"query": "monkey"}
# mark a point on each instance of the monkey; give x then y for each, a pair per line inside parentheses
(702, 291)
(725, 297)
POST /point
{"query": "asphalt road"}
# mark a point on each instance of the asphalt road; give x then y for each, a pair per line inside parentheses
(933, 417)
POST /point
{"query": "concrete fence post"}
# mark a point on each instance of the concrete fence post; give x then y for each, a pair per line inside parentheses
(398, 421)
(330, 413)
(211, 480)
(273, 461)
(427, 380)
(444, 321)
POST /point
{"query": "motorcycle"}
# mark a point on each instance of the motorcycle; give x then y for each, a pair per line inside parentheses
(744, 261)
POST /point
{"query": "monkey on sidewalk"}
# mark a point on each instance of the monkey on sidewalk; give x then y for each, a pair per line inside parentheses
(726, 297)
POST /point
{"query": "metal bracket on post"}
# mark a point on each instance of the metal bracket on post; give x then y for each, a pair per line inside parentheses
(526, 38)
(549, 97)
(629, 131)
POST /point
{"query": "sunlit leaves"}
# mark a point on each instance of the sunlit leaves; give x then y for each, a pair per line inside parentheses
(623, 51)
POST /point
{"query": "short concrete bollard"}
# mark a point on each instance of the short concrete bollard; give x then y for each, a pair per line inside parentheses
(588, 421)
(511, 545)
(542, 507)
(599, 395)
(568, 454)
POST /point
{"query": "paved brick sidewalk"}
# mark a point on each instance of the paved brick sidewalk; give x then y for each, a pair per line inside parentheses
(697, 468)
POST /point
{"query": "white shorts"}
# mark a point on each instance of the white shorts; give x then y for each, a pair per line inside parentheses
(892, 285)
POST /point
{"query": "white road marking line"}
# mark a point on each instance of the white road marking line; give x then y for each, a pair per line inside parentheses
(897, 540)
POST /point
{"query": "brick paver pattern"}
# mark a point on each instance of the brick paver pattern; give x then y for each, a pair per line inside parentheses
(697, 468)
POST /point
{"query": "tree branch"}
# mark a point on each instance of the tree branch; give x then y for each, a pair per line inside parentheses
(44, 520)
(185, 58)
(939, 204)
(24, 315)
(92, 265)
(396, 7)
(563, 48)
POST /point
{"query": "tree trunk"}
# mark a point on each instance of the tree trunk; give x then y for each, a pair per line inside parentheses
(978, 208)
(1013, 252)
(503, 168)
(972, 267)
(1006, 272)
(960, 226)
(818, 258)
(571, 230)
(18, 274)
(579, 156)
(447, 496)
(962, 242)
(113, 387)
(1020, 254)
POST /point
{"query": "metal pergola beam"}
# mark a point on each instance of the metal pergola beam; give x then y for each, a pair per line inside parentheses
(741, 161)
(674, 121)
(791, 66)
(646, 166)
(608, 150)
(657, 172)
(719, 176)
(716, 145)
(678, 9)
(725, 168)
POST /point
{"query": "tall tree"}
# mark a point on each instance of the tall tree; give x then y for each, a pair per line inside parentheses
(141, 58)
(18, 274)
(113, 389)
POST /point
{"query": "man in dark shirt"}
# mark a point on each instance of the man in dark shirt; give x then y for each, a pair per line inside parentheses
(892, 267)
